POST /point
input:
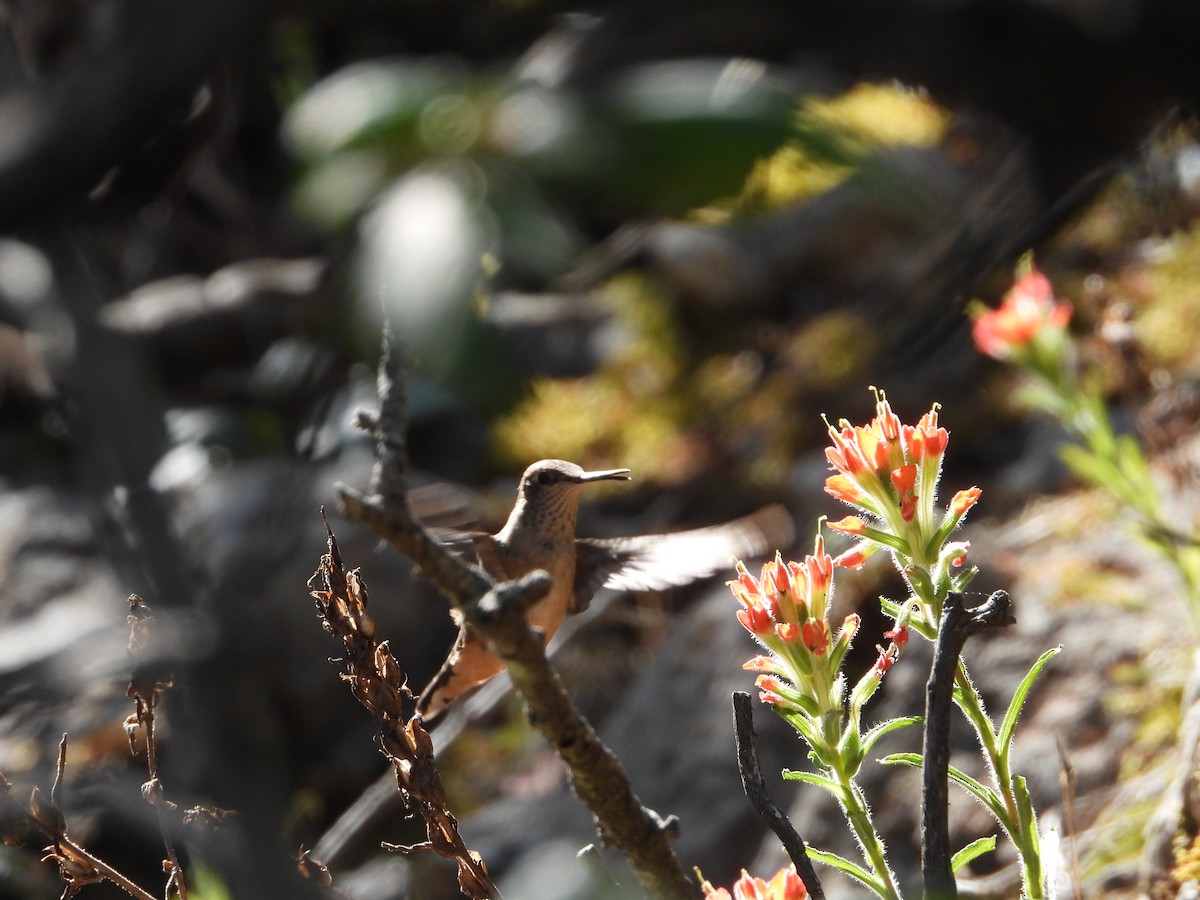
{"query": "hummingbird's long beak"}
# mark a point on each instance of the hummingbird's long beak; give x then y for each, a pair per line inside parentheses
(606, 475)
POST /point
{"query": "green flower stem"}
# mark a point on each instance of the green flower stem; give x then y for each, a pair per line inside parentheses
(1028, 845)
(972, 706)
(855, 808)
(840, 772)
(1120, 468)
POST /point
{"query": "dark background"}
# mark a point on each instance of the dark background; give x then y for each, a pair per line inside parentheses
(664, 236)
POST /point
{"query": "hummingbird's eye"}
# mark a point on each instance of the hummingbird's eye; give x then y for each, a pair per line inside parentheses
(543, 477)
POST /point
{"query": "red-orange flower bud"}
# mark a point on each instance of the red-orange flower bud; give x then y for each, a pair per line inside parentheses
(898, 636)
(849, 627)
(843, 487)
(755, 620)
(815, 634)
(849, 525)
(964, 500)
(905, 478)
(854, 558)
(768, 689)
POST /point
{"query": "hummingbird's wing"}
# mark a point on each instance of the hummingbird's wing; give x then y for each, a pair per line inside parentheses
(475, 548)
(653, 562)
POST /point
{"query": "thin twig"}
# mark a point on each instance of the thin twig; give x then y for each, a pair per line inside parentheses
(756, 792)
(1066, 778)
(76, 866)
(497, 613)
(146, 688)
(958, 624)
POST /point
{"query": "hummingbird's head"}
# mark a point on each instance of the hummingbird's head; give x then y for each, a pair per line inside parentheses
(550, 492)
(549, 474)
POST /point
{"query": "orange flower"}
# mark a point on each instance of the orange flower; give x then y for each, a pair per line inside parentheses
(1027, 310)
(926, 439)
(758, 664)
(815, 634)
(905, 478)
(849, 627)
(770, 690)
(854, 558)
(964, 500)
(849, 525)
(786, 885)
(898, 636)
(887, 659)
(842, 487)
(788, 632)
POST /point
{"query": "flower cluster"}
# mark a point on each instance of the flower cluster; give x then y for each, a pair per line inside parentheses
(786, 885)
(786, 609)
(889, 471)
(1029, 314)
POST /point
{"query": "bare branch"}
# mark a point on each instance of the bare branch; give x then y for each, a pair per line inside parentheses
(958, 624)
(756, 792)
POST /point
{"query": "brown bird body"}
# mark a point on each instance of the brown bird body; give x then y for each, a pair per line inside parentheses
(540, 534)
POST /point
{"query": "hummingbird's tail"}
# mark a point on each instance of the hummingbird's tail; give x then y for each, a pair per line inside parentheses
(469, 665)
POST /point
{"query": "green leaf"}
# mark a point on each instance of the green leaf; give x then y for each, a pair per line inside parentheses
(1004, 739)
(892, 608)
(1029, 844)
(983, 794)
(1089, 467)
(377, 102)
(803, 727)
(874, 734)
(857, 872)
(813, 778)
(960, 582)
(980, 792)
(672, 145)
(851, 750)
(974, 849)
(1025, 814)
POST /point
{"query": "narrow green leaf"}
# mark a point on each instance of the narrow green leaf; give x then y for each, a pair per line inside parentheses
(1025, 813)
(803, 727)
(1004, 739)
(960, 582)
(983, 794)
(857, 872)
(974, 849)
(813, 778)
(1089, 467)
(1029, 845)
(874, 734)
(980, 792)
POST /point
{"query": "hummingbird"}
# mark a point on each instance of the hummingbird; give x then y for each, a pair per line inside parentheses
(540, 534)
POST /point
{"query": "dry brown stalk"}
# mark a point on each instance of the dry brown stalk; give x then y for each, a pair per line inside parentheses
(76, 866)
(377, 682)
(146, 687)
